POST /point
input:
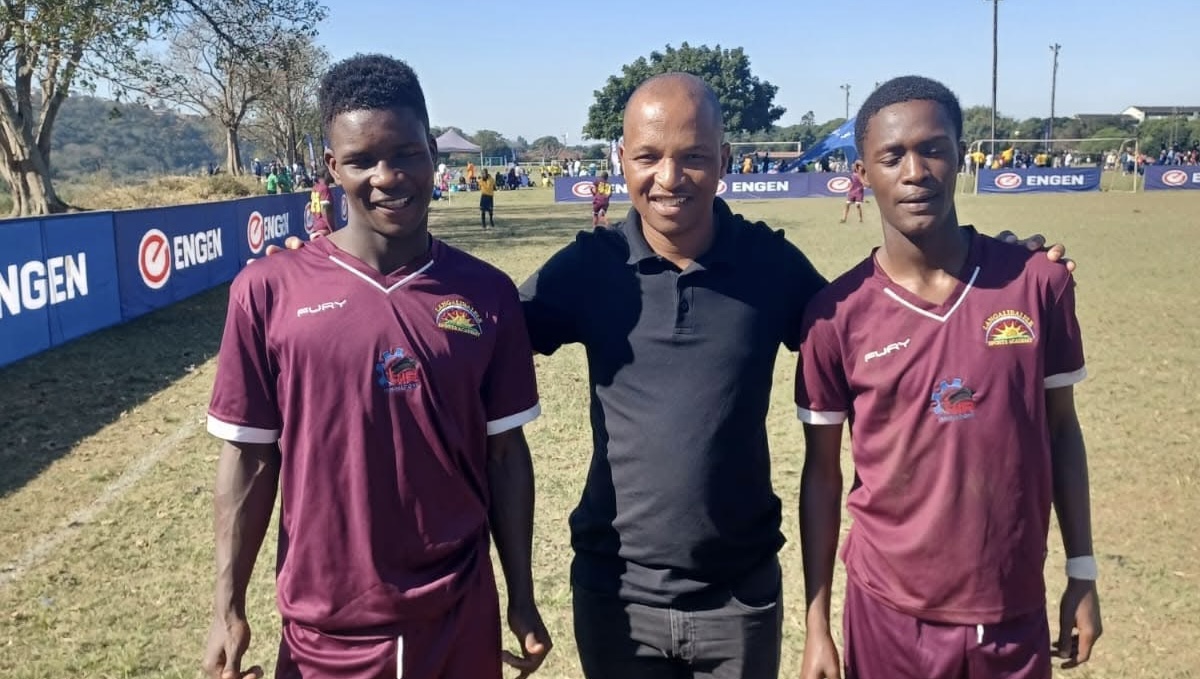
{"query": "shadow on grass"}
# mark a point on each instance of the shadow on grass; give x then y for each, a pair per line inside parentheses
(52, 401)
(516, 226)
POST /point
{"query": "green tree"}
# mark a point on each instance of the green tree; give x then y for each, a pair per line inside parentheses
(55, 47)
(1107, 145)
(746, 100)
(977, 125)
(546, 147)
(492, 143)
(288, 108)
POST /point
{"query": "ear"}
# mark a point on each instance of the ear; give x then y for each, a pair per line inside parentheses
(860, 168)
(432, 147)
(621, 157)
(331, 163)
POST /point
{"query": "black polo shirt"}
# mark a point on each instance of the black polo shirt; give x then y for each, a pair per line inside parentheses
(678, 497)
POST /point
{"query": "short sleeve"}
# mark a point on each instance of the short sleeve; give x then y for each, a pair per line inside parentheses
(1062, 341)
(822, 390)
(549, 298)
(244, 407)
(510, 397)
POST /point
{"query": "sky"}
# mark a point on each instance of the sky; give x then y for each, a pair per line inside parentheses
(529, 68)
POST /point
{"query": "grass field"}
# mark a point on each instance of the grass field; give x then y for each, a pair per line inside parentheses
(105, 471)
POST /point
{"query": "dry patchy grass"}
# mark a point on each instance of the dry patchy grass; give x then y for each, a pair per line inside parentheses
(125, 593)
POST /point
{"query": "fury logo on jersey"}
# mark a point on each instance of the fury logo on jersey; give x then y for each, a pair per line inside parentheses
(318, 308)
(894, 346)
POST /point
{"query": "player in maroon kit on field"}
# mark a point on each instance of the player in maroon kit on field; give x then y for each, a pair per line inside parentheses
(381, 378)
(952, 356)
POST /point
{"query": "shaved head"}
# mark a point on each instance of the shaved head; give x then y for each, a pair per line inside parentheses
(677, 88)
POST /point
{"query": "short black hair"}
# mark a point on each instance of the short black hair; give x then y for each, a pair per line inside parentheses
(902, 89)
(370, 82)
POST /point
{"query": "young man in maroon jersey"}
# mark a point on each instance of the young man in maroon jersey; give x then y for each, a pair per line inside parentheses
(382, 377)
(953, 357)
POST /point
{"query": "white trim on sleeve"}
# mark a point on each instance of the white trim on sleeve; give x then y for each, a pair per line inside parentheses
(513, 421)
(240, 433)
(820, 416)
(1066, 379)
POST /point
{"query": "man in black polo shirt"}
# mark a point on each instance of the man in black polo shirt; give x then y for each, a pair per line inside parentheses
(681, 308)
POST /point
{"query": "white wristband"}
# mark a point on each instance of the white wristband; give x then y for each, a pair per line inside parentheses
(1082, 568)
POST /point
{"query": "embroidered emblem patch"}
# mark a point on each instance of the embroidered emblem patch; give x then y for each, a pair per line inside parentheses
(1008, 327)
(397, 371)
(952, 400)
(458, 315)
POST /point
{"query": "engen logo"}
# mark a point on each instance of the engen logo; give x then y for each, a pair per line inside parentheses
(1008, 180)
(838, 185)
(33, 285)
(582, 189)
(721, 187)
(1175, 178)
(154, 259)
(158, 255)
(260, 229)
(345, 209)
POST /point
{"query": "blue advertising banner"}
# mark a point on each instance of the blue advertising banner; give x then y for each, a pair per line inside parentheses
(269, 220)
(167, 254)
(341, 210)
(81, 274)
(1039, 180)
(732, 187)
(24, 291)
(1171, 177)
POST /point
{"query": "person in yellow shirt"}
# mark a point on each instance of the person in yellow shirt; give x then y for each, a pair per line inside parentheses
(747, 164)
(601, 193)
(487, 199)
(471, 173)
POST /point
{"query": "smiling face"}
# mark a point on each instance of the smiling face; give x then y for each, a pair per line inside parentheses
(383, 158)
(910, 160)
(673, 156)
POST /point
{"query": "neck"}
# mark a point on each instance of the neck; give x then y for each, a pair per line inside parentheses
(943, 249)
(380, 252)
(681, 249)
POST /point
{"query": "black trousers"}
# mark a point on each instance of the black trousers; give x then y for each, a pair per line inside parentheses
(734, 633)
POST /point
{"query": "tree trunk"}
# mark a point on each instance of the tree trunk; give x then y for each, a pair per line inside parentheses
(233, 151)
(28, 176)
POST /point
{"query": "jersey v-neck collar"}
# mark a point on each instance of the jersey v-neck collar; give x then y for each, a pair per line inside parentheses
(937, 312)
(386, 283)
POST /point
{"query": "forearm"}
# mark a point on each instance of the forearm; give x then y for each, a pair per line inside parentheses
(1072, 502)
(510, 475)
(243, 501)
(820, 521)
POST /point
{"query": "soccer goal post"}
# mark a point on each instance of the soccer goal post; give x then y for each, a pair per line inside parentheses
(1089, 152)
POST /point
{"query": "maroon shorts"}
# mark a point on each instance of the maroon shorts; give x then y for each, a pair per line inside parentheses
(854, 197)
(462, 644)
(883, 643)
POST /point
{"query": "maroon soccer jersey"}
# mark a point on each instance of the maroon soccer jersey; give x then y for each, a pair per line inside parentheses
(946, 403)
(381, 391)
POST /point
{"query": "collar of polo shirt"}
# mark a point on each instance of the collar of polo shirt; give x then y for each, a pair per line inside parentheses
(722, 249)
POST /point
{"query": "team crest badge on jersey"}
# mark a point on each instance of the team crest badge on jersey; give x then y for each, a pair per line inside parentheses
(458, 315)
(397, 371)
(1008, 327)
(953, 401)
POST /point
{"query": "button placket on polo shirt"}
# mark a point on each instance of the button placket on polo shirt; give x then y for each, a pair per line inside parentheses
(685, 304)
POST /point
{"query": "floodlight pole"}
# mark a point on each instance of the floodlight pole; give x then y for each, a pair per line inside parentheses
(1053, 85)
(995, 64)
(846, 89)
